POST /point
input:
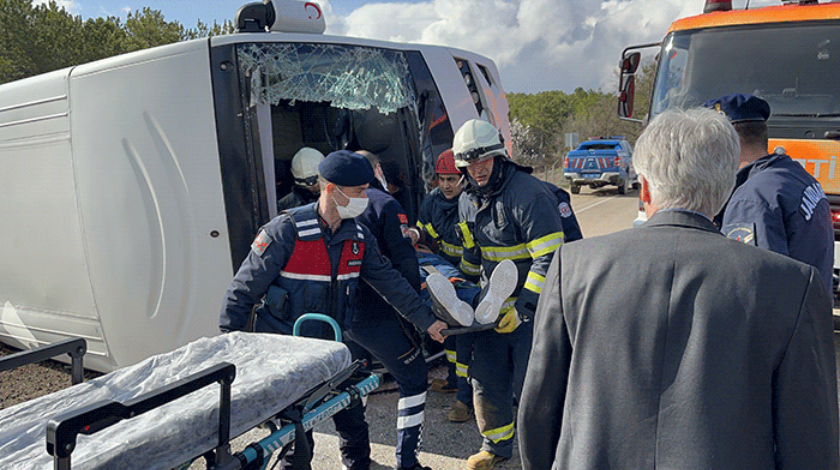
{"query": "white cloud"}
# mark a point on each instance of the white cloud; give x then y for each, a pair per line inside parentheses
(537, 44)
(71, 6)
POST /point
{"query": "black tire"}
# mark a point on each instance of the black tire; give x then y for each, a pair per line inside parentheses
(575, 189)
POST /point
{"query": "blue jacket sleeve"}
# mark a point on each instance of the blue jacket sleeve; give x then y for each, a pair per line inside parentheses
(542, 228)
(269, 254)
(756, 214)
(402, 254)
(379, 274)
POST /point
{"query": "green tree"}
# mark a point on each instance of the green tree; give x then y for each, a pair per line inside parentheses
(202, 30)
(36, 39)
(148, 28)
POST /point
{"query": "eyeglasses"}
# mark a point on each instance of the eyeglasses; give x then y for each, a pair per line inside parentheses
(309, 181)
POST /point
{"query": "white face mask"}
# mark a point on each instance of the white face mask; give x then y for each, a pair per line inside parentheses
(353, 209)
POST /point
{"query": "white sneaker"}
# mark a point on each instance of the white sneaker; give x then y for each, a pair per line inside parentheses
(501, 285)
(444, 296)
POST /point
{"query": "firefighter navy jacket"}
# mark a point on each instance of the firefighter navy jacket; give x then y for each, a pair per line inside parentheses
(439, 217)
(778, 206)
(519, 221)
(296, 266)
(297, 197)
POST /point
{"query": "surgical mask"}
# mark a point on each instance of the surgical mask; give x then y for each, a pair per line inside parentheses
(353, 209)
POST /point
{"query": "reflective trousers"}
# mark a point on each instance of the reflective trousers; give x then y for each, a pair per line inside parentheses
(459, 349)
(498, 373)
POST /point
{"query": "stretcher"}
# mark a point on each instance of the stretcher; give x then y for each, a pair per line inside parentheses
(460, 330)
(166, 411)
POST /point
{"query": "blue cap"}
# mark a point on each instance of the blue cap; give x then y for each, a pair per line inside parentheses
(346, 168)
(739, 107)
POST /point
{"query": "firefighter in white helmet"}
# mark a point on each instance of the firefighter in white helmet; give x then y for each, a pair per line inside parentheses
(505, 214)
(305, 173)
(438, 217)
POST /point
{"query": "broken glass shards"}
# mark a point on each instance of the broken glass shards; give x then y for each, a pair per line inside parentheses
(350, 77)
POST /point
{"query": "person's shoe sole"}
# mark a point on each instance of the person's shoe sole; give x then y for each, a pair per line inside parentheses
(443, 293)
(501, 285)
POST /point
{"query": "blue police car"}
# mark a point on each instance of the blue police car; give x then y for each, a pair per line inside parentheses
(601, 162)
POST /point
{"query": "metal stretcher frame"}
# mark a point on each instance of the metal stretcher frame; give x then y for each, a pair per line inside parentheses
(63, 430)
(74, 347)
(281, 376)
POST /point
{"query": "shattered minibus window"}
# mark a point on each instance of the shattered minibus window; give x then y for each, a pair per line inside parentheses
(330, 97)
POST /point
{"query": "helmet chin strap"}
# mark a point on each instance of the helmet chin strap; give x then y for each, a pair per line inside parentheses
(496, 176)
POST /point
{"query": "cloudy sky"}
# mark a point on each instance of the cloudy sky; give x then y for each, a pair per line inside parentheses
(538, 45)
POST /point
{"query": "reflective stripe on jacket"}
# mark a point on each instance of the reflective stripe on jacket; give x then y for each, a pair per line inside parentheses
(439, 217)
(520, 222)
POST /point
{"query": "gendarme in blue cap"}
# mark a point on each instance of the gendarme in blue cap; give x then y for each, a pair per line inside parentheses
(346, 168)
(739, 107)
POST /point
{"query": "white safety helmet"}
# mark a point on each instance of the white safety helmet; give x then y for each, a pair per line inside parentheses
(305, 166)
(476, 140)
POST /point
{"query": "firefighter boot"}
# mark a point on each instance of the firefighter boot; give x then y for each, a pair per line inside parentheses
(483, 460)
(459, 412)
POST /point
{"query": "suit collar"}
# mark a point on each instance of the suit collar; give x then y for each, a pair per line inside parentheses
(681, 219)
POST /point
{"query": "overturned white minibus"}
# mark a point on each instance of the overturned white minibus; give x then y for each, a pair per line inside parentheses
(131, 188)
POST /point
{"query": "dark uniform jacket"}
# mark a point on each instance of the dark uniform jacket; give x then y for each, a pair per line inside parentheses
(778, 206)
(299, 196)
(571, 228)
(269, 258)
(519, 221)
(439, 217)
(671, 347)
(386, 220)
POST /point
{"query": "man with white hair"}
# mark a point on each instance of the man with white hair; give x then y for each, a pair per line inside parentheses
(671, 346)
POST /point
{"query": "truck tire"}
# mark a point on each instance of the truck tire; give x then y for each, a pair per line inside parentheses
(575, 189)
(622, 188)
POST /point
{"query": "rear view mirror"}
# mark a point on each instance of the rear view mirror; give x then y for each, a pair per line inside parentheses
(628, 66)
(626, 96)
(630, 63)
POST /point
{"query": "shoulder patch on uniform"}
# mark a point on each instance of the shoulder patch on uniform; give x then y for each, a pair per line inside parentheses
(565, 210)
(811, 196)
(261, 243)
(403, 218)
(741, 232)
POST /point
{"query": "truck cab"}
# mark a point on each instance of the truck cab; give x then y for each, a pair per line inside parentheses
(787, 54)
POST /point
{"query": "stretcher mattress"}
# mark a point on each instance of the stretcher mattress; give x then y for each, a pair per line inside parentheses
(272, 372)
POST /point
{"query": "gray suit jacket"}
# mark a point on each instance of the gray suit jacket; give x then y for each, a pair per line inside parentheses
(672, 347)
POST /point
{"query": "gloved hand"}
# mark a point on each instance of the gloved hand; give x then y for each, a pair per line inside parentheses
(510, 320)
(526, 304)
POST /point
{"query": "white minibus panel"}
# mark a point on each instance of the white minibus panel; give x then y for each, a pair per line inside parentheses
(133, 186)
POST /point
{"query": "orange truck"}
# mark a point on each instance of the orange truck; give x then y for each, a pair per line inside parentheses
(788, 54)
